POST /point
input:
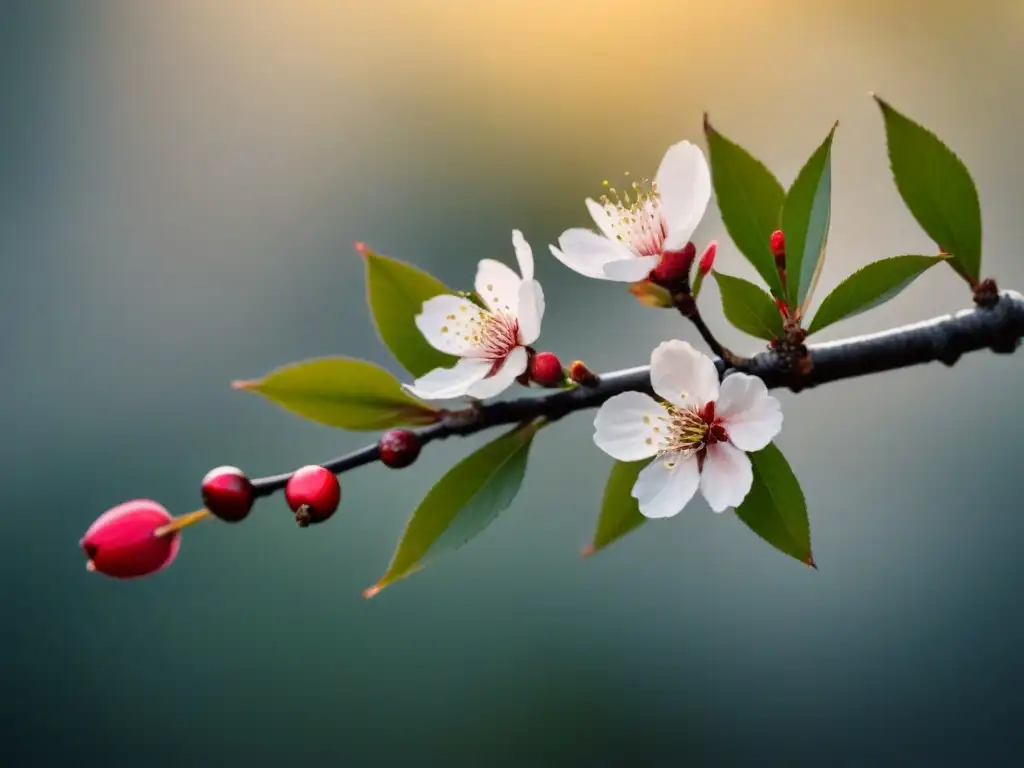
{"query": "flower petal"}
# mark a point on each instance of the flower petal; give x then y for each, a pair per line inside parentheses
(446, 383)
(449, 324)
(752, 417)
(524, 254)
(498, 285)
(684, 189)
(603, 217)
(682, 375)
(726, 477)
(514, 365)
(531, 311)
(630, 270)
(627, 426)
(666, 485)
(587, 252)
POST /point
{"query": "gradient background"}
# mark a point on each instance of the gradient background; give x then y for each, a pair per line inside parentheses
(181, 185)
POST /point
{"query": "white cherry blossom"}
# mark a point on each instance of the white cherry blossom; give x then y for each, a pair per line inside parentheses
(699, 433)
(491, 341)
(641, 223)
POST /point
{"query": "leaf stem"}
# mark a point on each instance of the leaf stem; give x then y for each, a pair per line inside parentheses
(998, 327)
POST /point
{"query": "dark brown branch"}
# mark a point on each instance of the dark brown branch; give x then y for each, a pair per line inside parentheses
(944, 339)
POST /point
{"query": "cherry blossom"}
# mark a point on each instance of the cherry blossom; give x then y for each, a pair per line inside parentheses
(491, 341)
(698, 433)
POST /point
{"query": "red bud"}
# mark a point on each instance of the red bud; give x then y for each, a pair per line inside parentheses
(546, 369)
(707, 261)
(675, 265)
(778, 245)
(122, 543)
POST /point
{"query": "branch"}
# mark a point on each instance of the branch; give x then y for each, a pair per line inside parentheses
(999, 328)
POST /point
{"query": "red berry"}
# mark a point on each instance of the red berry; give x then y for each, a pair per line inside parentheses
(707, 260)
(398, 448)
(313, 494)
(228, 494)
(546, 369)
(675, 265)
(778, 245)
(122, 543)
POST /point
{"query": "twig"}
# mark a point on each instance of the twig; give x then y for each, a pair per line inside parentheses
(999, 328)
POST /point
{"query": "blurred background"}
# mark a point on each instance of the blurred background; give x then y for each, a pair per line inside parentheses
(180, 187)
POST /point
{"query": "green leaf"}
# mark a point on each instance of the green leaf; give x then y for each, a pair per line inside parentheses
(869, 287)
(805, 220)
(342, 392)
(775, 508)
(620, 512)
(750, 199)
(396, 292)
(462, 504)
(749, 308)
(937, 188)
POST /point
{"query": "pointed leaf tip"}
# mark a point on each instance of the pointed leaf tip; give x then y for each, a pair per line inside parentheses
(588, 551)
(244, 384)
(810, 561)
(361, 248)
(373, 591)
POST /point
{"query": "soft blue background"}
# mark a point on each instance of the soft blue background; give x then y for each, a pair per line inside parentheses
(180, 185)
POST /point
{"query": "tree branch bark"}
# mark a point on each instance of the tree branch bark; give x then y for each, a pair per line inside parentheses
(944, 339)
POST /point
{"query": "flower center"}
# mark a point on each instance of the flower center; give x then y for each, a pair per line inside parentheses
(692, 430)
(492, 335)
(636, 219)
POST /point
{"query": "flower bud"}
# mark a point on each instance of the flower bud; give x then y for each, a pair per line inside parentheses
(674, 265)
(651, 294)
(122, 543)
(546, 369)
(579, 373)
(778, 246)
(707, 260)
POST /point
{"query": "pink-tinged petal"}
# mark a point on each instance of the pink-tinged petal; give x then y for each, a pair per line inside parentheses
(751, 416)
(630, 270)
(604, 218)
(122, 543)
(684, 189)
(531, 311)
(666, 485)
(587, 252)
(447, 383)
(449, 324)
(498, 285)
(682, 375)
(524, 254)
(514, 365)
(631, 426)
(726, 477)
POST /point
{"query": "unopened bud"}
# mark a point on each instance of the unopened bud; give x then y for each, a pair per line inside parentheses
(123, 542)
(546, 369)
(778, 246)
(651, 294)
(707, 260)
(674, 265)
(582, 375)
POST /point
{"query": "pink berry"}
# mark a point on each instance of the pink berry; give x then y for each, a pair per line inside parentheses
(313, 493)
(399, 448)
(546, 369)
(674, 265)
(227, 493)
(122, 543)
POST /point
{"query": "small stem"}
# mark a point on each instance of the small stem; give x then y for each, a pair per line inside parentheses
(182, 521)
(687, 307)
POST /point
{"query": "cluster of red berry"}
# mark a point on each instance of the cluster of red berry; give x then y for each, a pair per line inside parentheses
(140, 537)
